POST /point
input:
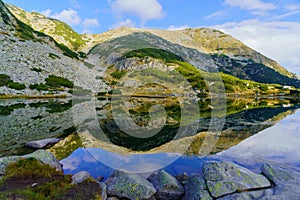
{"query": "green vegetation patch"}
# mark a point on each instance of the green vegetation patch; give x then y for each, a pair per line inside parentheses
(7, 110)
(36, 69)
(118, 74)
(5, 80)
(165, 55)
(55, 81)
(53, 56)
(29, 179)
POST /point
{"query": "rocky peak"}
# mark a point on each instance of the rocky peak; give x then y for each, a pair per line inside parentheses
(7, 20)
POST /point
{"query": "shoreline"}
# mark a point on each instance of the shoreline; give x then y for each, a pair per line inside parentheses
(218, 179)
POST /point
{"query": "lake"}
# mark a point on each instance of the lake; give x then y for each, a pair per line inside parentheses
(146, 134)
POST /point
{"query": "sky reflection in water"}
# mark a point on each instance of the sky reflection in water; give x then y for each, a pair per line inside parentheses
(278, 144)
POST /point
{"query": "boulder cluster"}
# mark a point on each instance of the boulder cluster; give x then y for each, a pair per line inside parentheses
(218, 180)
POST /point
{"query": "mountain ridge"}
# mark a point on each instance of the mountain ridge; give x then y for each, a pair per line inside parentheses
(205, 40)
(206, 49)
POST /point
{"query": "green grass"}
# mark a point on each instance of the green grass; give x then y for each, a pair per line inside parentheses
(69, 35)
(39, 87)
(55, 81)
(118, 74)
(36, 69)
(50, 184)
(161, 54)
(5, 80)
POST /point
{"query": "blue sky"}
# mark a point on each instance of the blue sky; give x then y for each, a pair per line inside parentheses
(271, 27)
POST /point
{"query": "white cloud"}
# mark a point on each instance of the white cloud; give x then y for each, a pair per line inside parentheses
(46, 12)
(214, 15)
(144, 9)
(69, 16)
(127, 23)
(251, 4)
(277, 40)
(172, 27)
(87, 22)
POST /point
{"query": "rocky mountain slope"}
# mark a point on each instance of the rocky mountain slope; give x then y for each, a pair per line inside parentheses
(205, 49)
(202, 39)
(33, 63)
(60, 31)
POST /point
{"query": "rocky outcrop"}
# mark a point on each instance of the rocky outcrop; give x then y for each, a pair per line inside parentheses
(39, 144)
(224, 178)
(127, 185)
(43, 156)
(167, 187)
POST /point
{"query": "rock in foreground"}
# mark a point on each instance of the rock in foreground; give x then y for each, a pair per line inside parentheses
(43, 156)
(225, 178)
(127, 185)
(196, 189)
(167, 187)
(286, 182)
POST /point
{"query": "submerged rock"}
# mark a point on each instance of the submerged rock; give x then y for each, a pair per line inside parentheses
(196, 189)
(167, 187)
(128, 185)
(225, 178)
(43, 156)
(79, 177)
(39, 144)
(286, 182)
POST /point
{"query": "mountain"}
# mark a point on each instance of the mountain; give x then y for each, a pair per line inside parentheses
(205, 40)
(32, 63)
(196, 54)
(60, 31)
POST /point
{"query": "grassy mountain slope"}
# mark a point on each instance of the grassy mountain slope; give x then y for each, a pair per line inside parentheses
(246, 69)
(32, 63)
(60, 31)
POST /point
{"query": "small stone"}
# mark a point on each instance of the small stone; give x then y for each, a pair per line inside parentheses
(33, 185)
(80, 177)
(225, 178)
(167, 187)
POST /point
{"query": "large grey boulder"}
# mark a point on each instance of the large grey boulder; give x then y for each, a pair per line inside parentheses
(286, 182)
(43, 156)
(225, 178)
(128, 185)
(195, 189)
(79, 177)
(39, 144)
(167, 187)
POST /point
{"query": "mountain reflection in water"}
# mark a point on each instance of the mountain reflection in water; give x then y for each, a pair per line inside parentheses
(248, 131)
